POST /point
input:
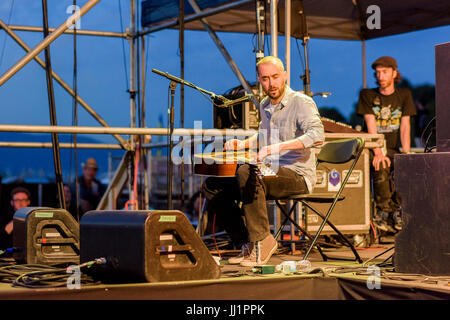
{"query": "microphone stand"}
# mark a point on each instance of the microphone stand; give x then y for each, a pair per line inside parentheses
(305, 39)
(306, 77)
(172, 87)
(171, 111)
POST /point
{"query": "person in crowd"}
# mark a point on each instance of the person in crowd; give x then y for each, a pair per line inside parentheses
(20, 198)
(70, 205)
(91, 190)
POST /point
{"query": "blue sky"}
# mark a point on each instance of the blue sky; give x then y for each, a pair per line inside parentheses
(336, 66)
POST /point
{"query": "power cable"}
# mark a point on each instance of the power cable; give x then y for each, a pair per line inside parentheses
(43, 276)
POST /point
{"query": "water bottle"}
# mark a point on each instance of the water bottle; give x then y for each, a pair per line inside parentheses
(286, 267)
(303, 266)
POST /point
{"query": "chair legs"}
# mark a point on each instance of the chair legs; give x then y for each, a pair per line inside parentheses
(326, 221)
(314, 239)
(287, 216)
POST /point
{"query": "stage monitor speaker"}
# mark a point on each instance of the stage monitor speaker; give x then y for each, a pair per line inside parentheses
(144, 246)
(46, 236)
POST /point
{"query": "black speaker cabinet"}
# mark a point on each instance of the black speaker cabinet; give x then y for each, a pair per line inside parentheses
(423, 245)
(442, 53)
(144, 246)
(45, 236)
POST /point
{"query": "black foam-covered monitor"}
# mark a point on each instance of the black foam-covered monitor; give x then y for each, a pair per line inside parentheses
(46, 236)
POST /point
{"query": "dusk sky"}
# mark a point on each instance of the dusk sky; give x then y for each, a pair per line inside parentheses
(336, 66)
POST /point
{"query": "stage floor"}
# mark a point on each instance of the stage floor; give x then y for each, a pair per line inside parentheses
(326, 280)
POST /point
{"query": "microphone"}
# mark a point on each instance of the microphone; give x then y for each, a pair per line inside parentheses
(229, 103)
(176, 79)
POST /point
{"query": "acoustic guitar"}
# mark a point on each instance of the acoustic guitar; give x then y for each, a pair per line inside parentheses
(224, 164)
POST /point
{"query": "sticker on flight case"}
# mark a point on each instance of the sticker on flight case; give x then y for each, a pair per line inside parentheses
(321, 176)
(43, 214)
(334, 180)
(167, 218)
(355, 180)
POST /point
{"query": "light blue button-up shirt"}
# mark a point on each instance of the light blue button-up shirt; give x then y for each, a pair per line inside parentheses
(295, 117)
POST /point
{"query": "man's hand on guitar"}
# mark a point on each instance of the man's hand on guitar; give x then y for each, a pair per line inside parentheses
(267, 151)
(234, 144)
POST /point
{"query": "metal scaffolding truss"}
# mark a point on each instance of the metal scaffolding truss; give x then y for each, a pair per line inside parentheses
(133, 35)
(136, 37)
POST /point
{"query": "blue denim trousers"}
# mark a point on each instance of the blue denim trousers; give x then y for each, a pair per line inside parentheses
(245, 196)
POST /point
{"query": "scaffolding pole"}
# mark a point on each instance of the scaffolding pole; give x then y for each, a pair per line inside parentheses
(287, 34)
(126, 130)
(143, 124)
(70, 31)
(274, 28)
(62, 145)
(133, 93)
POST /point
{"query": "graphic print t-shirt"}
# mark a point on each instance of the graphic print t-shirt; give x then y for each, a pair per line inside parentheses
(388, 111)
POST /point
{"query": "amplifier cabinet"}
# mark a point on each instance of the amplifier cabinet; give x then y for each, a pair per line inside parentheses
(351, 215)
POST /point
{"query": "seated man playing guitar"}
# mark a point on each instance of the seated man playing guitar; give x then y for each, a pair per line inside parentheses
(290, 126)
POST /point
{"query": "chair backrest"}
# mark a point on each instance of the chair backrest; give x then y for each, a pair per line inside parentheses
(341, 151)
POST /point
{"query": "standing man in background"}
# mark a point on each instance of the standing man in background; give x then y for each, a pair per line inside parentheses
(91, 190)
(387, 110)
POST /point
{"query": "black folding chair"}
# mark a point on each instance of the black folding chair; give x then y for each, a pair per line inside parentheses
(336, 152)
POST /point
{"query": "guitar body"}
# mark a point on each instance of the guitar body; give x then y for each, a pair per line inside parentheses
(217, 170)
(223, 164)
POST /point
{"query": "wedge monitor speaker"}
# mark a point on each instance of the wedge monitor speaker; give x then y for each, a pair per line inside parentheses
(46, 236)
(144, 246)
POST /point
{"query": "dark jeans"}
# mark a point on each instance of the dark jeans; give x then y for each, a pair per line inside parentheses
(386, 198)
(224, 194)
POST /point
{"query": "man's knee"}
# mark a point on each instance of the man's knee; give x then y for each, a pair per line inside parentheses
(210, 188)
(243, 171)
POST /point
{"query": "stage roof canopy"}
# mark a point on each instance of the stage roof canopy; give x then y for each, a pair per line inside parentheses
(326, 19)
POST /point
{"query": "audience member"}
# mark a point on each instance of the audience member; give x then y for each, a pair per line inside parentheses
(20, 198)
(90, 189)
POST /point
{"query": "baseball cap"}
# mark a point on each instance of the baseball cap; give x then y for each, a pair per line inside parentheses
(385, 62)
